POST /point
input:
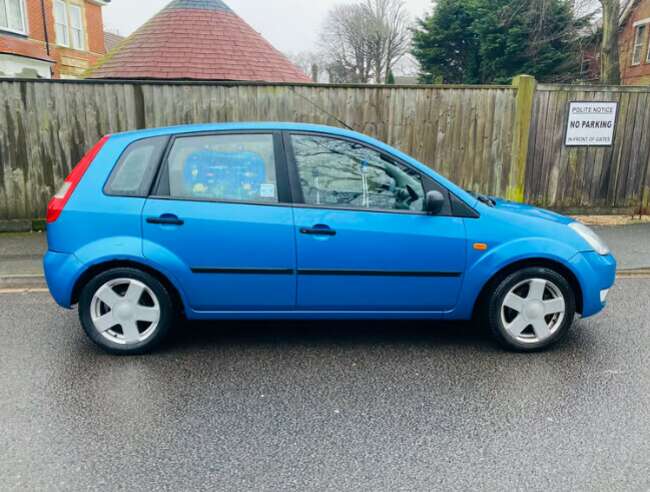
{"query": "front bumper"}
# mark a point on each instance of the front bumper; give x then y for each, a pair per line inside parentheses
(596, 275)
(61, 273)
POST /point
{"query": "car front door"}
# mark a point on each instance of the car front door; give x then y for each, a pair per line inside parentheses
(220, 221)
(364, 242)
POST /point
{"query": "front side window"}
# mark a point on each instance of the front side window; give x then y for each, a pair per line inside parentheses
(639, 41)
(342, 173)
(12, 16)
(224, 167)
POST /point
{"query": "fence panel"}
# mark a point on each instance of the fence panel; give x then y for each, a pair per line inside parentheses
(595, 178)
(464, 132)
(45, 126)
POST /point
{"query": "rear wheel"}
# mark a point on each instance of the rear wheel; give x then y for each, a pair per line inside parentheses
(531, 309)
(126, 311)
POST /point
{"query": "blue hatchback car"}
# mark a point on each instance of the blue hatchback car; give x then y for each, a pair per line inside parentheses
(292, 221)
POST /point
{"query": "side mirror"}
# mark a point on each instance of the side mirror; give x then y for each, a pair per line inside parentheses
(434, 202)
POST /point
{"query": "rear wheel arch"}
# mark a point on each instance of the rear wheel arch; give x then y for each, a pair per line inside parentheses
(527, 263)
(95, 270)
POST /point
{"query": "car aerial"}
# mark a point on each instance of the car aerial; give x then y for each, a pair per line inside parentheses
(295, 221)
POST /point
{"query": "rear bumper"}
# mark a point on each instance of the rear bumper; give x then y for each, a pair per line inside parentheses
(61, 273)
(596, 275)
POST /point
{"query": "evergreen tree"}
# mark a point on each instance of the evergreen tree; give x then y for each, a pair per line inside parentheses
(445, 44)
(491, 41)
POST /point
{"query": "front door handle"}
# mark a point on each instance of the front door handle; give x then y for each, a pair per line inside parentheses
(166, 219)
(318, 230)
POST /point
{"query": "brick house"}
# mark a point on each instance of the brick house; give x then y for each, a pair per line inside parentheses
(634, 41)
(50, 38)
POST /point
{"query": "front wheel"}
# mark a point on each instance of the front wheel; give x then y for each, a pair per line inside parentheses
(126, 311)
(531, 309)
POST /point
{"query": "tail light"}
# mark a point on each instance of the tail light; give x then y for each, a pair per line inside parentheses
(57, 203)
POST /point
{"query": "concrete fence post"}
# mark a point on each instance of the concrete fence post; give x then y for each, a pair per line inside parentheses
(526, 86)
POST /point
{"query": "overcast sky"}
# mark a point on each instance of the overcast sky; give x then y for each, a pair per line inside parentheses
(291, 26)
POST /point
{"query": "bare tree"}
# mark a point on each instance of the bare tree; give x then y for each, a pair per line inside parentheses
(312, 63)
(363, 41)
(345, 43)
(389, 34)
(609, 59)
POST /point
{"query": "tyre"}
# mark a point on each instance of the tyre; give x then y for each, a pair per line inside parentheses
(531, 309)
(126, 311)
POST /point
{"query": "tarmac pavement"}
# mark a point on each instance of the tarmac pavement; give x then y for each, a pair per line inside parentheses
(325, 406)
(630, 244)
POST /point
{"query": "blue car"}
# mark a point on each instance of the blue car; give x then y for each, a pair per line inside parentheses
(293, 221)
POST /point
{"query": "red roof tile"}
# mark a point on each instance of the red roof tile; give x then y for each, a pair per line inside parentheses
(112, 40)
(198, 39)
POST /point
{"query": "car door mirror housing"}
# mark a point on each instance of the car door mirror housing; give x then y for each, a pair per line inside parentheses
(434, 202)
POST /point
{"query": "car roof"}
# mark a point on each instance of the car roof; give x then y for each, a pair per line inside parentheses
(241, 126)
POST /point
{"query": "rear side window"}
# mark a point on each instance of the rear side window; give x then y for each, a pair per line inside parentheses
(137, 167)
(228, 167)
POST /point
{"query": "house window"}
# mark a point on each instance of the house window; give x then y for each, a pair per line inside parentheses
(12, 16)
(68, 19)
(61, 21)
(76, 27)
(639, 41)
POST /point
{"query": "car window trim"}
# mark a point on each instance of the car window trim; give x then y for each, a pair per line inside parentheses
(223, 202)
(161, 187)
(428, 182)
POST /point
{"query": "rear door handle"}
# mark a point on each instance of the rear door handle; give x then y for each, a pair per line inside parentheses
(318, 231)
(166, 219)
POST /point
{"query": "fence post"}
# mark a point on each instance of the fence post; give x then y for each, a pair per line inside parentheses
(526, 86)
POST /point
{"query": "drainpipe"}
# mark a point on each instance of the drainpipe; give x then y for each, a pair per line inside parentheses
(47, 36)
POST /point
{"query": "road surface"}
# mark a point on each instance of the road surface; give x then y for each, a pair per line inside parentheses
(325, 406)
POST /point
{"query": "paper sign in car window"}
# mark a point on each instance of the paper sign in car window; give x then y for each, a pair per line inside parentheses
(267, 190)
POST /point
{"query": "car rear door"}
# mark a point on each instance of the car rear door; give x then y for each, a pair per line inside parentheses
(221, 222)
(363, 240)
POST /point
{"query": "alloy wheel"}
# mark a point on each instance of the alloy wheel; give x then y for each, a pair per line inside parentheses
(533, 310)
(125, 311)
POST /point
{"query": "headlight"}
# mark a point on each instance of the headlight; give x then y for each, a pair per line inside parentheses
(591, 237)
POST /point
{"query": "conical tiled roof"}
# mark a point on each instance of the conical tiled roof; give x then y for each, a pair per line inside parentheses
(201, 40)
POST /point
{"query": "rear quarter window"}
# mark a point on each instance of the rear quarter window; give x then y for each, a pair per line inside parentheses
(134, 172)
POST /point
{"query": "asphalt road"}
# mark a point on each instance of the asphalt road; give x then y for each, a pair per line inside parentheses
(328, 406)
(630, 244)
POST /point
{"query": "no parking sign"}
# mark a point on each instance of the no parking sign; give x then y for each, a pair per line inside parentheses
(591, 123)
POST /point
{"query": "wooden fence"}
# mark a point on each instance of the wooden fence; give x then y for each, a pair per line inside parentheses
(604, 179)
(502, 140)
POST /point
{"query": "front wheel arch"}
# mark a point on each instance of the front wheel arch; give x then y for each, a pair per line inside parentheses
(102, 267)
(527, 263)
